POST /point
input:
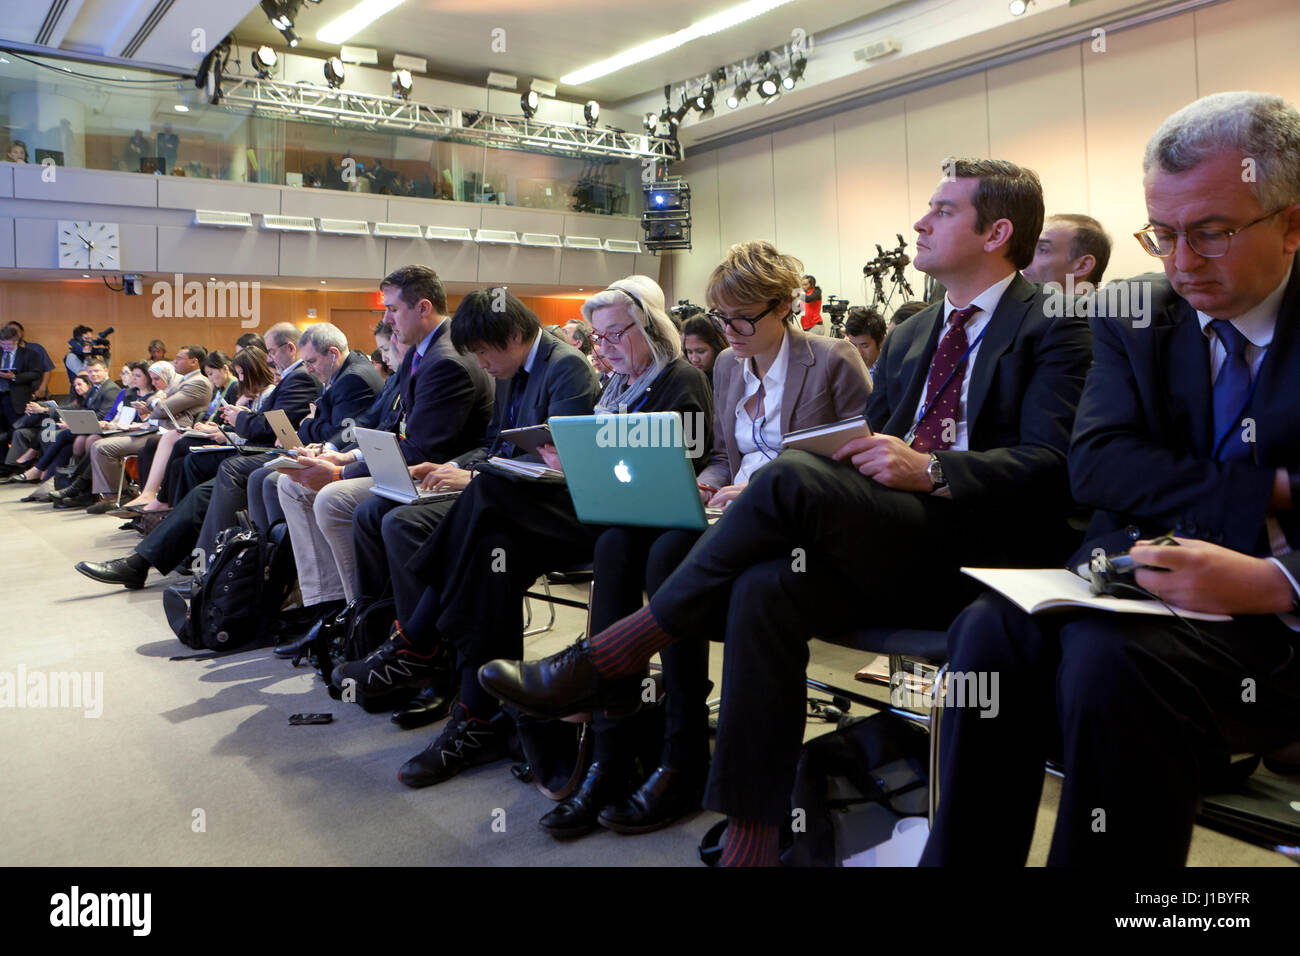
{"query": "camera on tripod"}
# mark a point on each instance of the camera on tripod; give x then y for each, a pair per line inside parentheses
(683, 310)
(835, 308)
(891, 263)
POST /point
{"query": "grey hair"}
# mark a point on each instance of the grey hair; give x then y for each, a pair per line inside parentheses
(661, 335)
(323, 336)
(1262, 127)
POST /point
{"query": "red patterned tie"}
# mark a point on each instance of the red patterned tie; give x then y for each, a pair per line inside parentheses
(932, 433)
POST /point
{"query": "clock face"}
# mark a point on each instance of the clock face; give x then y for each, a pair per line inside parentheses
(89, 245)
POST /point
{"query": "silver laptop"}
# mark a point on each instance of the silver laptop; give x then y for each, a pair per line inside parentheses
(285, 432)
(82, 421)
(388, 469)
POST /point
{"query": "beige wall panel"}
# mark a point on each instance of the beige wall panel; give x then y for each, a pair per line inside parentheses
(806, 199)
(1144, 75)
(1249, 45)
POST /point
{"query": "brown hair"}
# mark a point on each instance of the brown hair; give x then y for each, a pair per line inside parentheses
(1005, 191)
(754, 272)
(257, 372)
(1089, 239)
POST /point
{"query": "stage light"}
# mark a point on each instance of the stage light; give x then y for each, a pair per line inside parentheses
(264, 61)
(528, 102)
(704, 100)
(769, 85)
(1017, 7)
(739, 93)
(334, 72)
(651, 122)
(591, 113)
(402, 84)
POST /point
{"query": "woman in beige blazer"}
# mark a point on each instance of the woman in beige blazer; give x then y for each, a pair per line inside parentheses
(773, 378)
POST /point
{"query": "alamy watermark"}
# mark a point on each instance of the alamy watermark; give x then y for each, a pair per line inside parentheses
(56, 689)
(976, 689)
(683, 430)
(178, 299)
(1115, 300)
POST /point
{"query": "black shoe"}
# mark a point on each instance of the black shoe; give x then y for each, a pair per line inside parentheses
(578, 814)
(102, 507)
(37, 495)
(667, 796)
(429, 706)
(461, 745)
(118, 571)
(74, 501)
(560, 685)
(329, 617)
(394, 663)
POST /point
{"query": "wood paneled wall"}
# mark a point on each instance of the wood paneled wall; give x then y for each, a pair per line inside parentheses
(49, 310)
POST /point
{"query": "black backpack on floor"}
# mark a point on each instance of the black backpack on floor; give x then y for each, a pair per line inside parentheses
(235, 602)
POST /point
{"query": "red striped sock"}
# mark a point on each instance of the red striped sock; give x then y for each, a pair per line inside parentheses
(751, 844)
(624, 648)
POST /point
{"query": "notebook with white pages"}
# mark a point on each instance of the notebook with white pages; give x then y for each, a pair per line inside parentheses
(1036, 590)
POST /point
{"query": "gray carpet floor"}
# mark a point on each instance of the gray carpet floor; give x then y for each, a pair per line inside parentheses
(194, 763)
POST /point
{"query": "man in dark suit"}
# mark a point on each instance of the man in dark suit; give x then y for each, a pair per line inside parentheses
(26, 433)
(967, 466)
(447, 402)
(537, 376)
(1188, 424)
(20, 372)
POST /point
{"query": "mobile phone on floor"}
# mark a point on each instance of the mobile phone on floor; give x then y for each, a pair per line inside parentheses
(297, 720)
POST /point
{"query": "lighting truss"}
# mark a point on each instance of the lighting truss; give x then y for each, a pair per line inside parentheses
(273, 98)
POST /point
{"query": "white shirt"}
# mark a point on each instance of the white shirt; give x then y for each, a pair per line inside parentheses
(987, 303)
(532, 353)
(1257, 325)
(767, 430)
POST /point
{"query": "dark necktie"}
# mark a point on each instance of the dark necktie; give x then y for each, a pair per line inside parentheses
(1231, 389)
(415, 363)
(516, 395)
(932, 434)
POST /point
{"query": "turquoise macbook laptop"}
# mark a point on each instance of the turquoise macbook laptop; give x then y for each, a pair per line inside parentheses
(630, 469)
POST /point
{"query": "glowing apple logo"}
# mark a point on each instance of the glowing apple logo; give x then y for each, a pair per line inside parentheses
(622, 472)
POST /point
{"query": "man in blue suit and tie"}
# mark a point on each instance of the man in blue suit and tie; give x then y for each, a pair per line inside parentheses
(1188, 424)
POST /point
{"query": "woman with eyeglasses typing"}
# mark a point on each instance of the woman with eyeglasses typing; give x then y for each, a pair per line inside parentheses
(503, 533)
(772, 379)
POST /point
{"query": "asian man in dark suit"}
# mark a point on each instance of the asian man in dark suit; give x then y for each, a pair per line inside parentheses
(1189, 425)
(967, 466)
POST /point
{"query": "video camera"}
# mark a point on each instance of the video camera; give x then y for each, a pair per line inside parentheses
(98, 346)
(894, 260)
(835, 308)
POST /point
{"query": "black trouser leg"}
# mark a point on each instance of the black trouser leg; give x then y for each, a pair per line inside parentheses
(173, 541)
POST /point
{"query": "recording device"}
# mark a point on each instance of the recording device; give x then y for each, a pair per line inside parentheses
(1117, 573)
(98, 346)
(889, 263)
(299, 720)
(835, 308)
(683, 310)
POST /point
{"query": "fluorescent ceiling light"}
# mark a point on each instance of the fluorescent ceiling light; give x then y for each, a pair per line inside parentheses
(344, 28)
(660, 45)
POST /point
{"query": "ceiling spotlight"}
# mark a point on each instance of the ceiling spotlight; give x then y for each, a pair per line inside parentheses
(402, 84)
(769, 85)
(264, 60)
(704, 100)
(290, 37)
(529, 102)
(650, 121)
(591, 113)
(1017, 7)
(739, 93)
(334, 72)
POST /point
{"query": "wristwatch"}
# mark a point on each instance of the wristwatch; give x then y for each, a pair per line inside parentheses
(934, 471)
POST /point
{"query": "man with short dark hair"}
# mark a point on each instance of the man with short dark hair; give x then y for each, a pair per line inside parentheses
(42, 389)
(864, 327)
(79, 346)
(812, 307)
(1188, 424)
(1072, 250)
(966, 466)
(19, 373)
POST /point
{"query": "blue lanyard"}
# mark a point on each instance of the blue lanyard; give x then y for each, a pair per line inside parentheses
(756, 436)
(911, 432)
(1236, 420)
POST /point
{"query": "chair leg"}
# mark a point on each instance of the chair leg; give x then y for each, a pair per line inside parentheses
(550, 623)
(936, 710)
